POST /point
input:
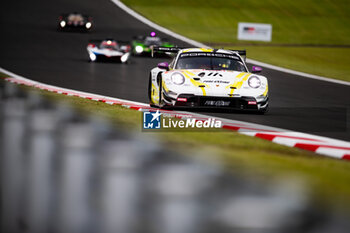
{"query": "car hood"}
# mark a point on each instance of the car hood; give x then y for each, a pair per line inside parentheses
(215, 82)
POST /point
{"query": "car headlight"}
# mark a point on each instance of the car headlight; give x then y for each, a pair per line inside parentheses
(124, 58)
(177, 78)
(88, 25)
(139, 49)
(254, 82)
(92, 57)
(63, 23)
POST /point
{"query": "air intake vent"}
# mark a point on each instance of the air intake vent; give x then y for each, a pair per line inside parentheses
(201, 74)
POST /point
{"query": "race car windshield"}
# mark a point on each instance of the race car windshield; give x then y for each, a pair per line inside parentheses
(210, 61)
(109, 45)
(75, 17)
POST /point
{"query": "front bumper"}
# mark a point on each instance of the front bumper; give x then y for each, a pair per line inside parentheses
(237, 103)
(118, 58)
(72, 27)
(147, 52)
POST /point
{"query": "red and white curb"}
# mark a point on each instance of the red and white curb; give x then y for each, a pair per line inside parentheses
(320, 145)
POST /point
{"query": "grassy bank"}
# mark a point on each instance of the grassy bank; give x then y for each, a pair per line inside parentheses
(295, 22)
(327, 178)
(2, 75)
(328, 62)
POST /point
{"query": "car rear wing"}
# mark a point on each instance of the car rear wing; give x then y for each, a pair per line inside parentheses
(242, 53)
(165, 49)
(121, 42)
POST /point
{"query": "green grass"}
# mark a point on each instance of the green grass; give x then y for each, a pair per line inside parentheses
(2, 75)
(329, 62)
(327, 178)
(295, 22)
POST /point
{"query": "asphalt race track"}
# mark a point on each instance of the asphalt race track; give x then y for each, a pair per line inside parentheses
(31, 46)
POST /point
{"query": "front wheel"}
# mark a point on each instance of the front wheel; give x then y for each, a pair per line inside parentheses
(263, 111)
(151, 103)
(159, 78)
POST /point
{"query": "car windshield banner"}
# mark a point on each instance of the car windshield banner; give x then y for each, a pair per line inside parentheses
(202, 54)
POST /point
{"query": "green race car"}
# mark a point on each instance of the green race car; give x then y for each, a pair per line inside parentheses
(142, 45)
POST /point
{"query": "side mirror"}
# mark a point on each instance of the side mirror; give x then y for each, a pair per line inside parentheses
(163, 65)
(256, 69)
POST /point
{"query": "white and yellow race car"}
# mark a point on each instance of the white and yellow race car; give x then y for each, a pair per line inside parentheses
(207, 78)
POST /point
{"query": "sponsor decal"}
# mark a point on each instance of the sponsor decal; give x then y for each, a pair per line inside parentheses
(218, 103)
(249, 29)
(216, 81)
(182, 99)
(254, 31)
(204, 54)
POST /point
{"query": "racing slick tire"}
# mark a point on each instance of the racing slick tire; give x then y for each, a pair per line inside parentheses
(150, 91)
(161, 103)
(159, 80)
(263, 111)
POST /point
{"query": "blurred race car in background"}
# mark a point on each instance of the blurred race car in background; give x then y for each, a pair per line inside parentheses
(108, 50)
(75, 22)
(207, 78)
(142, 45)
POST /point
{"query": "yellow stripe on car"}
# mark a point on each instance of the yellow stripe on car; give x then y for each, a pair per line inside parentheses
(186, 50)
(154, 96)
(164, 86)
(240, 75)
(194, 82)
(190, 75)
(266, 90)
(206, 50)
(240, 79)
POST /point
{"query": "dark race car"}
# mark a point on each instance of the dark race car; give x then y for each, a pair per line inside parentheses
(75, 22)
(108, 50)
(142, 45)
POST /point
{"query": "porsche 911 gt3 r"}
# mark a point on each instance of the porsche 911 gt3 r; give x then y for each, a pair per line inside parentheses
(108, 50)
(75, 21)
(207, 78)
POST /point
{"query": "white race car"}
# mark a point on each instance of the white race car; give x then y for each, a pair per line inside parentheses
(108, 50)
(207, 78)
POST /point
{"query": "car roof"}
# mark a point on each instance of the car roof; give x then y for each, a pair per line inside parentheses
(109, 42)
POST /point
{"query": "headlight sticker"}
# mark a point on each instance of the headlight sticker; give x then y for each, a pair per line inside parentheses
(177, 78)
(254, 82)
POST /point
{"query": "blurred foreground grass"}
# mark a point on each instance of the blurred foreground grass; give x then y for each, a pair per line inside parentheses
(327, 178)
